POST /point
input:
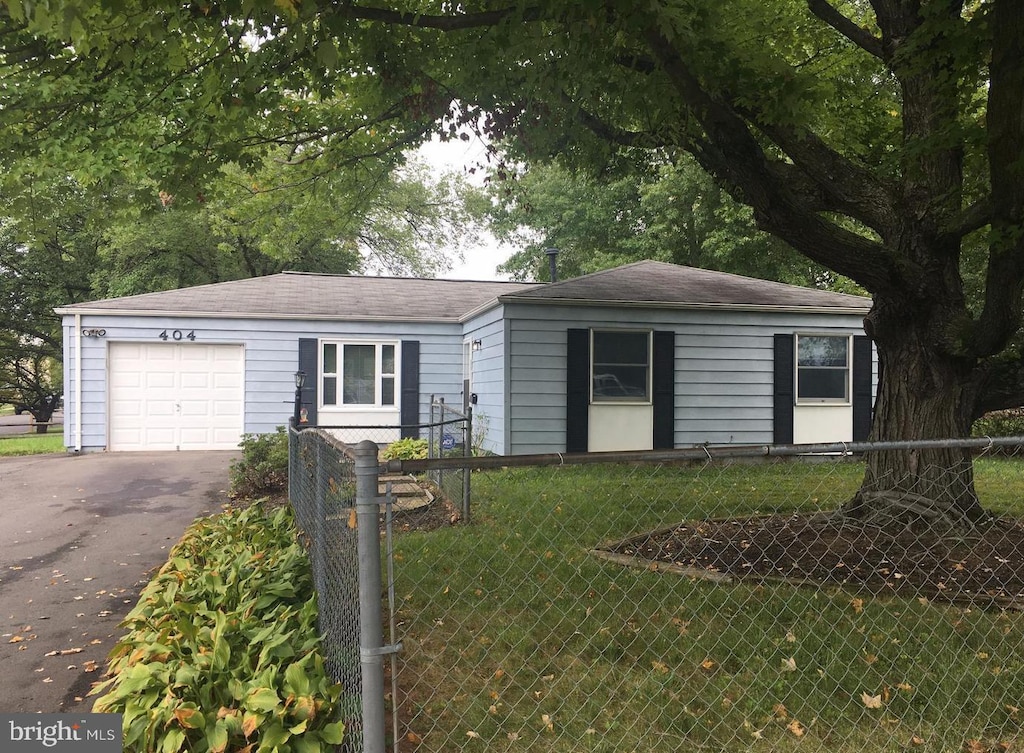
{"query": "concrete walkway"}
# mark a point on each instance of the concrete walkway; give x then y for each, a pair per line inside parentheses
(79, 537)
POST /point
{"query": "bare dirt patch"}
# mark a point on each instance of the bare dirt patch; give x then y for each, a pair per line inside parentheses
(984, 566)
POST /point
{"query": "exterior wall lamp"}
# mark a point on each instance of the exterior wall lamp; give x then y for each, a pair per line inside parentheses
(300, 381)
(478, 345)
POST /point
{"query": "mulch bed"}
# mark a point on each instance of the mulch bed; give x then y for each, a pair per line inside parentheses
(983, 567)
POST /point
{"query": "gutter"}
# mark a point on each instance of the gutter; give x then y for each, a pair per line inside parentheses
(252, 315)
(678, 305)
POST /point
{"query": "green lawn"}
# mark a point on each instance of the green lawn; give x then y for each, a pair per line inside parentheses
(32, 444)
(515, 638)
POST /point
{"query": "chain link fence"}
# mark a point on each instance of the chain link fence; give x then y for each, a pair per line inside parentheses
(450, 435)
(716, 599)
(322, 492)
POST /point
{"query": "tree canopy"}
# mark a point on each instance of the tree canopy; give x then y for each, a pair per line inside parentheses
(674, 212)
(881, 139)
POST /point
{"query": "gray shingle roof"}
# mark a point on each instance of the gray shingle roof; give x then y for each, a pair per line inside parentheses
(316, 296)
(654, 282)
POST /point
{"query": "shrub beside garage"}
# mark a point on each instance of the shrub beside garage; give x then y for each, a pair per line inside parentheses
(222, 648)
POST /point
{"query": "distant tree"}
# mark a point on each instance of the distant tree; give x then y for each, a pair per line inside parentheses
(673, 212)
(38, 273)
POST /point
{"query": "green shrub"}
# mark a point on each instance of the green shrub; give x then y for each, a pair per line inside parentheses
(263, 467)
(222, 649)
(1000, 423)
(406, 449)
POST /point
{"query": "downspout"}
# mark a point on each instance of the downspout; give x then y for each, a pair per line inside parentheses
(78, 383)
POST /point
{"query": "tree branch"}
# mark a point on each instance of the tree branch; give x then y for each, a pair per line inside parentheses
(479, 20)
(860, 37)
(731, 152)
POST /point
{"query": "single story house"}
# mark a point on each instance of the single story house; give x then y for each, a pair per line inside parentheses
(645, 356)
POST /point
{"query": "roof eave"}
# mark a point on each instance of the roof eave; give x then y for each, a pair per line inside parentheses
(679, 305)
(69, 311)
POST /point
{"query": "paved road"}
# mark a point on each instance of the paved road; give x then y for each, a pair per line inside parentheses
(79, 536)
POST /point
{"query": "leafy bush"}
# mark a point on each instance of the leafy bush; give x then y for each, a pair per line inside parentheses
(1000, 423)
(222, 652)
(406, 449)
(263, 467)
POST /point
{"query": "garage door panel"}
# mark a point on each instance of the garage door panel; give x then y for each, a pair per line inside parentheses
(183, 396)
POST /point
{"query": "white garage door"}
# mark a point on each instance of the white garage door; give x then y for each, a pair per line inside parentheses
(175, 396)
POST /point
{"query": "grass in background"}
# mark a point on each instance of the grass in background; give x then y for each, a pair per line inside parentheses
(32, 444)
(515, 638)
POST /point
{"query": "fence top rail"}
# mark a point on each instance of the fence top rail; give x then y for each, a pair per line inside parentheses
(348, 450)
(704, 453)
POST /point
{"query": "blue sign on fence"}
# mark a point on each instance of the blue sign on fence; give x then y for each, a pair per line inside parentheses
(447, 442)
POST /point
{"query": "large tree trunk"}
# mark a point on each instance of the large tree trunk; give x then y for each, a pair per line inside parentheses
(923, 393)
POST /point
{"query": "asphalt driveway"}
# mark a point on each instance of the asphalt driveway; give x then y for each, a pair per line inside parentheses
(79, 537)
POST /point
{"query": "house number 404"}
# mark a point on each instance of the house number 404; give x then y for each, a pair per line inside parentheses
(177, 334)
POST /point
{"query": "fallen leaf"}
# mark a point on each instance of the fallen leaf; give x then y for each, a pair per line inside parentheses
(870, 659)
(473, 735)
(904, 686)
(47, 679)
(546, 720)
(780, 711)
(974, 746)
(796, 728)
(499, 673)
(352, 518)
(858, 605)
(660, 667)
(790, 638)
(590, 731)
(871, 701)
(413, 738)
(915, 740)
(513, 736)
(707, 664)
(789, 665)
(90, 666)
(16, 639)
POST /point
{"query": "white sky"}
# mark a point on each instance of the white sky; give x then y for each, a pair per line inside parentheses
(480, 261)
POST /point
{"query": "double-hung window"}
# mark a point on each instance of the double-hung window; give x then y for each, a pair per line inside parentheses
(822, 369)
(620, 366)
(358, 373)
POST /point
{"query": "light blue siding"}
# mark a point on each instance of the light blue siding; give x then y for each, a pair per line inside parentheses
(488, 380)
(271, 358)
(723, 368)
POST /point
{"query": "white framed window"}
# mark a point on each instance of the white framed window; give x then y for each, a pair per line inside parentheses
(823, 367)
(620, 366)
(358, 373)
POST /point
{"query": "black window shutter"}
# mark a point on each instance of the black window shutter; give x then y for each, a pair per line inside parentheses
(784, 391)
(309, 363)
(409, 409)
(862, 395)
(664, 393)
(577, 390)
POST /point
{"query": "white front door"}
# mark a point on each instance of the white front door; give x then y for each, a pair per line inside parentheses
(175, 396)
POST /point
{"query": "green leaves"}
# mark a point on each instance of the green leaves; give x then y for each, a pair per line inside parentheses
(201, 668)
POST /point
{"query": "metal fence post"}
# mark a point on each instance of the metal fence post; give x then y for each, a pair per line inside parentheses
(467, 451)
(371, 633)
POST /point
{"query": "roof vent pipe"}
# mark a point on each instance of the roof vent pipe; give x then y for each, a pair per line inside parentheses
(552, 264)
